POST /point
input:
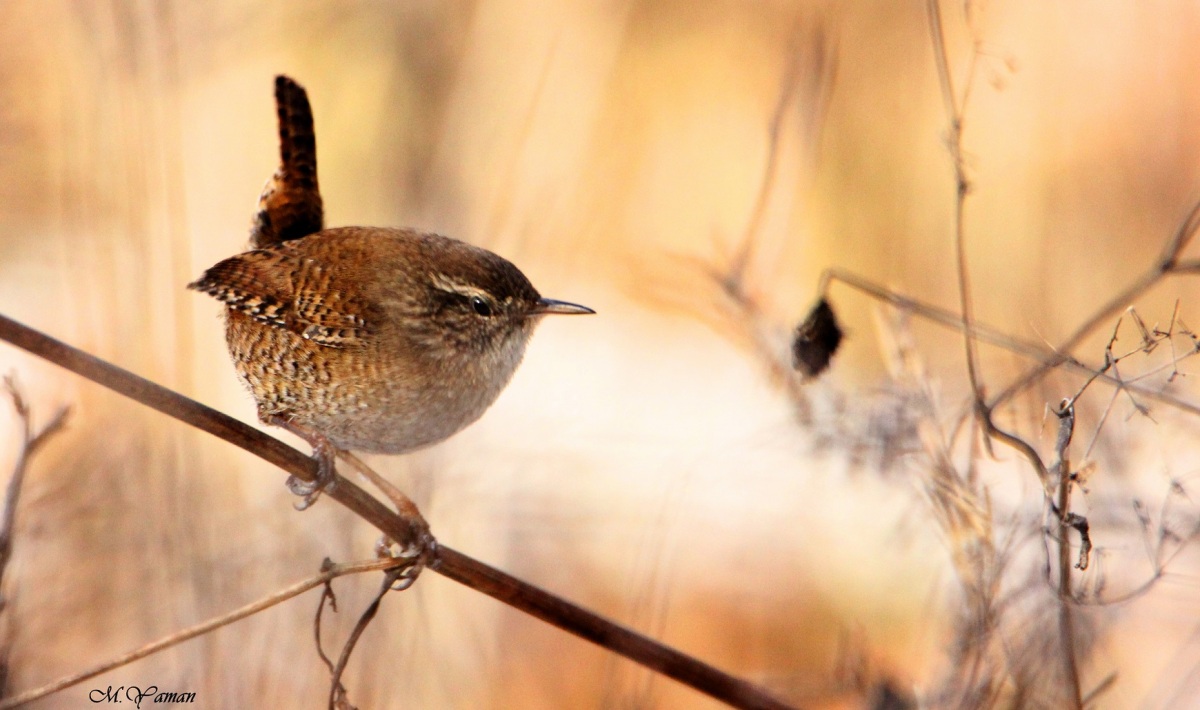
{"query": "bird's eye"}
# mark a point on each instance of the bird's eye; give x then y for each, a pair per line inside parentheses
(481, 306)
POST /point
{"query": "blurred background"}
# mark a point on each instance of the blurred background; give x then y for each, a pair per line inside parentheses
(688, 169)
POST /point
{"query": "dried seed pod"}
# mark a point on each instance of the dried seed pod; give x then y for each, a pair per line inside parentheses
(817, 339)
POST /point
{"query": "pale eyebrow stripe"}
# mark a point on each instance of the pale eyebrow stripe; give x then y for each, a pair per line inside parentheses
(445, 283)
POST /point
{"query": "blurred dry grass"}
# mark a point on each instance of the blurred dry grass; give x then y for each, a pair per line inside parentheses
(641, 463)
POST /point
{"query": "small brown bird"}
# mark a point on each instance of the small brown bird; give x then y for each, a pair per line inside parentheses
(365, 338)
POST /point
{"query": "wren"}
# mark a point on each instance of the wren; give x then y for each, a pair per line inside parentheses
(365, 338)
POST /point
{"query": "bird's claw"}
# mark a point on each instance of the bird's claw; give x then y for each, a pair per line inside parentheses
(309, 491)
(418, 555)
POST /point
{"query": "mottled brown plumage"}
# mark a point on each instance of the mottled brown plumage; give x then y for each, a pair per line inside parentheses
(381, 340)
(373, 339)
(290, 205)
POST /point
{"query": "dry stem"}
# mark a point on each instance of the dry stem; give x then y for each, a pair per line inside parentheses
(448, 562)
(192, 632)
(1066, 620)
(30, 443)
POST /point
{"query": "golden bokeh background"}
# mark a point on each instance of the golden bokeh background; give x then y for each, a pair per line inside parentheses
(647, 463)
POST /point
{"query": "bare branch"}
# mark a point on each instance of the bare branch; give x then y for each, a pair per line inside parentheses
(988, 334)
(1102, 315)
(1066, 619)
(954, 113)
(337, 692)
(200, 629)
(1183, 236)
(1104, 686)
(817, 44)
(30, 443)
(448, 562)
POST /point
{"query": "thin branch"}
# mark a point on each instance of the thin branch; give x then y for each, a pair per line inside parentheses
(737, 305)
(448, 562)
(1168, 264)
(327, 595)
(954, 112)
(1062, 352)
(1183, 236)
(1066, 618)
(790, 84)
(30, 443)
(200, 629)
(995, 336)
(337, 692)
(983, 411)
(1103, 687)
(941, 60)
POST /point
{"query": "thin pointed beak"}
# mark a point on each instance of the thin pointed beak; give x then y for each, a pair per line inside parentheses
(547, 306)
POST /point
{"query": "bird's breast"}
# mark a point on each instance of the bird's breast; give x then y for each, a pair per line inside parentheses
(385, 397)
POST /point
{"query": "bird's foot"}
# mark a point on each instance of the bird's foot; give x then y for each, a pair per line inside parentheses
(418, 545)
(422, 552)
(323, 452)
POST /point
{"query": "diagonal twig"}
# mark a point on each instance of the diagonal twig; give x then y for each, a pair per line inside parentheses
(982, 332)
(448, 562)
(191, 632)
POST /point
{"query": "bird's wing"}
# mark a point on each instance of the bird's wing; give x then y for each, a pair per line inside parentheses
(285, 289)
